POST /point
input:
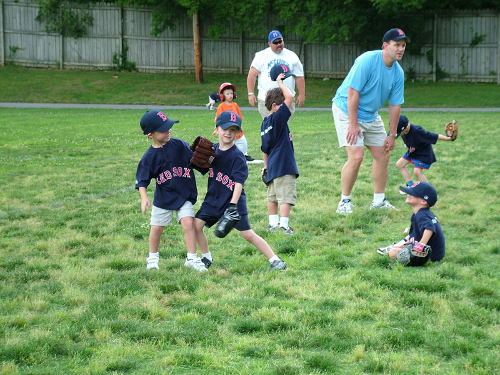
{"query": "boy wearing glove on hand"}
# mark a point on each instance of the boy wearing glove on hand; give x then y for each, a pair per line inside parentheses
(225, 201)
(426, 239)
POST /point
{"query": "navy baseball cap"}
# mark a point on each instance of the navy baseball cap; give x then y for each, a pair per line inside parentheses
(156, 121)
(273, 35)
(278, 69)
(395, 34)
(422, 190)
(402, 124)
(227, 119)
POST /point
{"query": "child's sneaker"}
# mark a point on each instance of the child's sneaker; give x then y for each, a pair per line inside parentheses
(278, 265)
(385, 250)
(207, 105)
(384, 205)
(152, 263)
(273, 228)
(207, 262)
(196, 265)
(344, 207)
(288, 230)
(249, 158)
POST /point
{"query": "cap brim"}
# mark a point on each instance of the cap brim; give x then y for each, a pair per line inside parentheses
(229, 124)
(167, 126)
(404, 37)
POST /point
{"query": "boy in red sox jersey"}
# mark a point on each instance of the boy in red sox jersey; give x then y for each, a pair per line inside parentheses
(167, 161)
(226, 178)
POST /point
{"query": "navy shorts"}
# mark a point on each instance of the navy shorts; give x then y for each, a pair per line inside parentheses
(210, 220)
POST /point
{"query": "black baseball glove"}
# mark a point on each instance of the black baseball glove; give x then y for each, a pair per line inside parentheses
(414, 254)
(228, 221)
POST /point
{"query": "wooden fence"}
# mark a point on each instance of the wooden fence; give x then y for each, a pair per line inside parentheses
(466, 46)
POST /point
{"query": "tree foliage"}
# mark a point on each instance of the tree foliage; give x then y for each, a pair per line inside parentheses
(64, 18)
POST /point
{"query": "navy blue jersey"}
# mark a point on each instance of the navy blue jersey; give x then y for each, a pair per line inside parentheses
(277, 143)
(425, 219)
(215, 96)
(229, 167)
(175, 182)
(419, 143)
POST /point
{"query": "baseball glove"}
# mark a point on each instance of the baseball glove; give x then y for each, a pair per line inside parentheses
(263, 174)
(414, 254)
(451, 130)
(204, 152)
(228, 221)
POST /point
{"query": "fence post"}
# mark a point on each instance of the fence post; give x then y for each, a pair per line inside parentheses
(61, 44)
(241, 52)
(498, 51)
(2, 41)
(434, 49)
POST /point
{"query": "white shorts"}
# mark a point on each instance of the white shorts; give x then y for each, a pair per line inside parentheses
(161, 217)
(374, 133)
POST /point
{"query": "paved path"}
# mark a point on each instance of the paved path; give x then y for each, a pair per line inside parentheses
(202, 107)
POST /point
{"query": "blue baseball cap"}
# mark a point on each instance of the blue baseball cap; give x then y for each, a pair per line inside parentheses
(402, 124)
(278, 69)
(273, 35)
(156, 121)
(422, 190)
(227, 119)
(395, 34)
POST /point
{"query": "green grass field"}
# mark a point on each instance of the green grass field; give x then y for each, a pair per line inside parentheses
(77, 299)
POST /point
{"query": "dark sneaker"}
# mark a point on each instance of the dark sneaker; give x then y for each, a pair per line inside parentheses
(273, 228)
(249, 158)
(278, 265)
(207, 262)
(288, 230)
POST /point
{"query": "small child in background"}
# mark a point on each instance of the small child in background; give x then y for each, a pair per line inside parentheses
(166, 161)
(227, 93)
(278, 153)
(212, 99)
(420, 153)
(425, 229)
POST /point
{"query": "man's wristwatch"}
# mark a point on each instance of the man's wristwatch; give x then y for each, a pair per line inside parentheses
(395, 136)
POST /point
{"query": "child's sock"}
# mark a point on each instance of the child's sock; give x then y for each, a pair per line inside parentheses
(344, 197)
(409, 183)
(157, 255)
(274, 220)
(207, 255)
(284, 222)
(191, 256)
(273, 259)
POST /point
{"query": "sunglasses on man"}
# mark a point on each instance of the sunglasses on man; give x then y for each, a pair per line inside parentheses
(276, 42)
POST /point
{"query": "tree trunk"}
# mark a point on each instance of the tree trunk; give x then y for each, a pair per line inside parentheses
(197, 48)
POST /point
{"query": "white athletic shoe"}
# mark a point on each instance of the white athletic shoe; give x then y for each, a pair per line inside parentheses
(152, 263)
(385, 250)
(196, 265)
(384, 205)
(344, 207)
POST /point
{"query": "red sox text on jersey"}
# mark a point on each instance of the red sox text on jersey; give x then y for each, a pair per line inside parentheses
(222, 178)
(176, 172)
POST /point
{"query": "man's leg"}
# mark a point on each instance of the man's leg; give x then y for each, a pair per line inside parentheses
(350, 170)
(380, 168)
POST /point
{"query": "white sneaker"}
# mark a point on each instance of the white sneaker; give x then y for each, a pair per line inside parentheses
(344, 207)
(385, 250)
(384, 205)
(152, 263)
(196, 265)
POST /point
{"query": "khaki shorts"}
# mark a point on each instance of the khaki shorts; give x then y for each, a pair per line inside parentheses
(161, 217)
(374, 133)
(264, 112)
(282, 190)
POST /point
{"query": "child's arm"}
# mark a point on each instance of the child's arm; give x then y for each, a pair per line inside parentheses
(426, 236)
(286, 91)
(443, 138)
(144, 200)
(238, 188)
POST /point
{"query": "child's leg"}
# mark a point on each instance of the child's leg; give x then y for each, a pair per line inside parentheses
(393, 253)
(419, 174)
(285, 209)
(201, 237)
(155, 238)
(258, 242)
(189, 234)
(401, 165)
